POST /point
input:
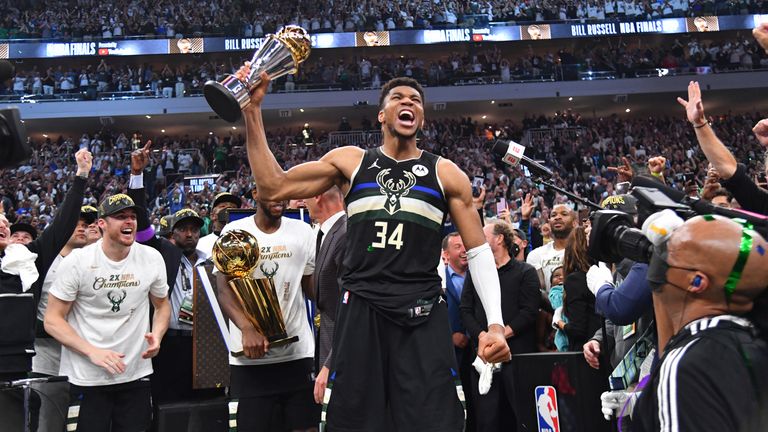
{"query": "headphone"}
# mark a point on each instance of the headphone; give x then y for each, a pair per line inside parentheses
(697, 281)
(516, 250)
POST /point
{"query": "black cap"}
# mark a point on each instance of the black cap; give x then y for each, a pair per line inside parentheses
(165, 225)
(185, 215)
(520, 233)
(226, 197)
(25, 227)
(89, 214)
(622, 203)
(115, 203)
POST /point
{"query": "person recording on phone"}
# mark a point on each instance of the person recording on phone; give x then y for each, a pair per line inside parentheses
(734, 175)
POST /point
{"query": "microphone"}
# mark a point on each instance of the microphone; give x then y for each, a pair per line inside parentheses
(6, 70)
(512, 153)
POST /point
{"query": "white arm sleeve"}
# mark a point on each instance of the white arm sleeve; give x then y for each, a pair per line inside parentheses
(485, 277)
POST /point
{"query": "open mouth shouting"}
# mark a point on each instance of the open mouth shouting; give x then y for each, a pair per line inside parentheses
(406, 117)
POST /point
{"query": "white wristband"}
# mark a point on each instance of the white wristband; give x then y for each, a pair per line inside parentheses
(136, 181)
(486, 280)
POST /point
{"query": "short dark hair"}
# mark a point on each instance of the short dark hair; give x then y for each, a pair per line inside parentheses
(398, 82)
(722, 192)
(445, 239)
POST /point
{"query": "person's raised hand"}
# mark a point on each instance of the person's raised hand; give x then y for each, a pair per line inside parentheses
(258, 93)
(479, 201)
(694, 108)
(761, 132)
(624, 171)
(526, 209)
(84, 160)
(492, 345)
(656, 165)
(140, 158)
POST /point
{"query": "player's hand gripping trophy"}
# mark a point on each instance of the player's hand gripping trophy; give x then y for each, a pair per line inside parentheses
(236, 254)
(280, 55)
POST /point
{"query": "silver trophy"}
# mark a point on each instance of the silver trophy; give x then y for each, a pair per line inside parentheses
(280, 55)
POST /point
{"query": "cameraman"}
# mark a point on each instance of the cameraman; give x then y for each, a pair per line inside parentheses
(714, 369)
(734, 175)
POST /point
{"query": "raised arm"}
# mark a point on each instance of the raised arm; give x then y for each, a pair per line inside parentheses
(302, 181)
(713, 148)
(492, 345)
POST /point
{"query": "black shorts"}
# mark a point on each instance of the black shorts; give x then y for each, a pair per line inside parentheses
(388, 377)
(126, 407)
(273, 397)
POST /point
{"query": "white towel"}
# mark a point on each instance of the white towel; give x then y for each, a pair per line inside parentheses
(18, 260)
(486, 371)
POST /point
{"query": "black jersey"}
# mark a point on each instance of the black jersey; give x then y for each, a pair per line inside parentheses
(713, 377)
(396, 212)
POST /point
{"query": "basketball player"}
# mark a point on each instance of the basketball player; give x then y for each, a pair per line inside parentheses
(393, 354)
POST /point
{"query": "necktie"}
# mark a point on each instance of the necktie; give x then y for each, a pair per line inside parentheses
(319, 242)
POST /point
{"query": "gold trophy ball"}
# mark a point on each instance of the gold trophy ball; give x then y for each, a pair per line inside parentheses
(236, 253)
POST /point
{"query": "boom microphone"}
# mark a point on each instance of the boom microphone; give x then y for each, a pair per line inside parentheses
(512, 154)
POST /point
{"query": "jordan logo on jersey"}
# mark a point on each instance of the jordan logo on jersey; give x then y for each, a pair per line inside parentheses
(394, 189)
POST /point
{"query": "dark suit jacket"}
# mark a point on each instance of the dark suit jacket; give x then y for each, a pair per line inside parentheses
(519, 306)
(171, 254)
(328, 271)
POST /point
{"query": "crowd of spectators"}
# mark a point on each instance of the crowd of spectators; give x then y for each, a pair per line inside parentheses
(615, 60)
(254, 18)
(580, 159)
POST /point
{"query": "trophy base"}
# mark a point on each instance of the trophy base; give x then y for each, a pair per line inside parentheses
(274, 343)
(223, 102)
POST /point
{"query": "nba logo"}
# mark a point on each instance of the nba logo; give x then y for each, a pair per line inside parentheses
(546, 409)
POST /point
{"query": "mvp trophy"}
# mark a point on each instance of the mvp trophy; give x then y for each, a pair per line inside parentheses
(280, 55)
(236, 254)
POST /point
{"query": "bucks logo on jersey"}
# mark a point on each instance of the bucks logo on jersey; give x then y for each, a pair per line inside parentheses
(394, 188)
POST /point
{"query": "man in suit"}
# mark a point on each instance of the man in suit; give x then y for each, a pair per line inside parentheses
(455, 257)
(327, 210)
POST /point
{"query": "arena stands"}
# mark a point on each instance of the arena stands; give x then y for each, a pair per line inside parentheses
(87, 19)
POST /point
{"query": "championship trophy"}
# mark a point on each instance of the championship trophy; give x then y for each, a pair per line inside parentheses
(280, 55)
(236, 254)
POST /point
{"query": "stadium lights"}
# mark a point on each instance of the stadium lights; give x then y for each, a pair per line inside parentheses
(570, 99)
(162, 130)
(45, 136)
(484, 117)
(493, 102)
(627, 110)
(301, 109)
(148, 116)
(234, 127)
(210, 133)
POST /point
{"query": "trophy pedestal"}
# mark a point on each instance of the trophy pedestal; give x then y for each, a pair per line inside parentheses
(221, 97)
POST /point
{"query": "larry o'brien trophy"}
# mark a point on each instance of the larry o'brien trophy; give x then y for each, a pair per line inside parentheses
(236, 254)
(280, 55)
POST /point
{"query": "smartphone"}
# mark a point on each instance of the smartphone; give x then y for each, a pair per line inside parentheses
(501, 205)
(526, 172)
(477, 184)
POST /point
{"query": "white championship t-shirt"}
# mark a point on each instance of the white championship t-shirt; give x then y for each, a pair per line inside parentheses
(205, 245)
(110, 309)
(288, 254)
(546, 259)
